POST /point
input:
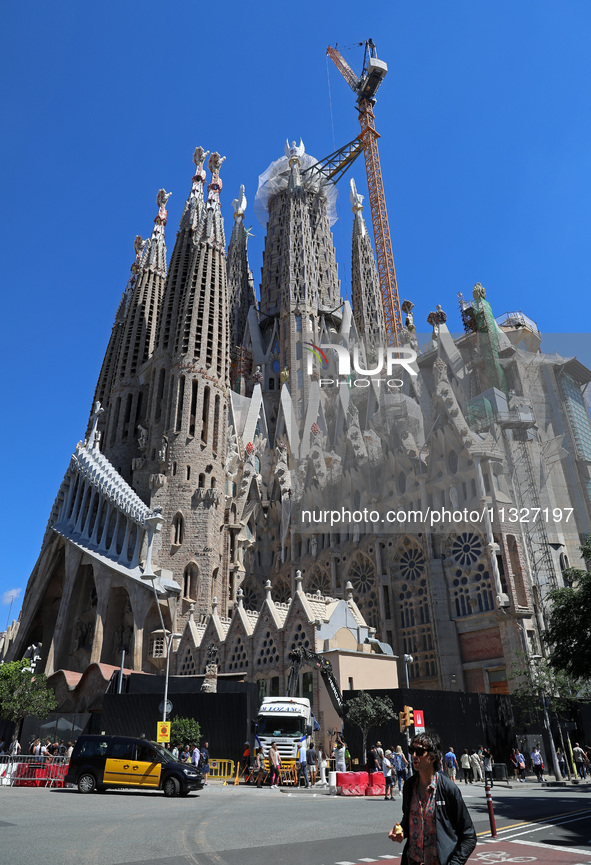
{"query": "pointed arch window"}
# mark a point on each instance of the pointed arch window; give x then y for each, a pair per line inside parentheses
(190, 581)
(178, 530)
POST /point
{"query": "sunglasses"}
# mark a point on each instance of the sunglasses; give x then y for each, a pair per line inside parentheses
(418, 750)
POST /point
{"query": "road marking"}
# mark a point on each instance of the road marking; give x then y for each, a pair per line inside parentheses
(553, 847)
(546, 826)
(535, 822)
(369, 860)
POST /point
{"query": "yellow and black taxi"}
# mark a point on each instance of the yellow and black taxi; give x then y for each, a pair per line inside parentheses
(99, 762)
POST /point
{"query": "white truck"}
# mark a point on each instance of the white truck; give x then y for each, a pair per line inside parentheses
(284, 720)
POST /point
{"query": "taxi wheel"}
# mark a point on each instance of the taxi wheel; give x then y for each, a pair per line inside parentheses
(171, 787)
(86, 783)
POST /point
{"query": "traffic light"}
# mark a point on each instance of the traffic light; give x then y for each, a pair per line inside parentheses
(408, 717)
(401, 720)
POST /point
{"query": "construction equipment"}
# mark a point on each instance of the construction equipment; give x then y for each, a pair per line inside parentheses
(301, 655)
(365, 87)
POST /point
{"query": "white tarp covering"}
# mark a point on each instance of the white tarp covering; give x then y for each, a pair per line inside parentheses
(276, 178)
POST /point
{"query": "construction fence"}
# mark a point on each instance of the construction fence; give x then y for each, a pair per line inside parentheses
(32, 771)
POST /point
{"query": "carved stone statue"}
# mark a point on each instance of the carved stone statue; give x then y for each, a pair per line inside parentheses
(142, 439)
(284, 375)
(163, 452)
(199, 157)
(479, 292)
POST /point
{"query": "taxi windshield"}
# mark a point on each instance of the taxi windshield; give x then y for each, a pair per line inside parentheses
(164, 752)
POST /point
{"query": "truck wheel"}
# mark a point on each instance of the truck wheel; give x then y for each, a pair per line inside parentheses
(171, 787)
(86, 783)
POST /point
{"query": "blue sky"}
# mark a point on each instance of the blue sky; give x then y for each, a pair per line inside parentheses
(485, 121)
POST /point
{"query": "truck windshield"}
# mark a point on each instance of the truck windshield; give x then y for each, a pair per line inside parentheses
(281, 725)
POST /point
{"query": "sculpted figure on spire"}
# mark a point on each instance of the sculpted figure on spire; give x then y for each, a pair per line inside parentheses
(355, 198)
(199, 157)
(239, 204)
(162, 201)
(214, 165)
(294, 152)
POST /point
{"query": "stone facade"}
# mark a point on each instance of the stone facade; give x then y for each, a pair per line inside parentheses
(187, 516)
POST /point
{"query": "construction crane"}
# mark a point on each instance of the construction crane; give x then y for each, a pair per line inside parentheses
(365, 87)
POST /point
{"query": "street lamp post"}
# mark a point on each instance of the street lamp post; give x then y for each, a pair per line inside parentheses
(557, 772)
(169, 638)
(408, 659)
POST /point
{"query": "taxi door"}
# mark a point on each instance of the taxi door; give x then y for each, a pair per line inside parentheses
(147, 766)
(119, 764)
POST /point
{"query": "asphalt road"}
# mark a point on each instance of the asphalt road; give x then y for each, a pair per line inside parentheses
(244, 826)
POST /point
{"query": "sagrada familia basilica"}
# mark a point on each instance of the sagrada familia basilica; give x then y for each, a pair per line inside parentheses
(257, 475)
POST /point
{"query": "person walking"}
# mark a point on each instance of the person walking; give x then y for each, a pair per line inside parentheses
(561, 762)
(487, 762)
(537, 764)
(451, 764)
(312, 758)
(204, 764)
(579, 756)
(259, 767)
(466, 766)
(400, 767)
(275, 763)
(387, 769)
(476, 764)
(520, 765)
(434, 834)
(322, 765)
(195, 756)
(302, 763)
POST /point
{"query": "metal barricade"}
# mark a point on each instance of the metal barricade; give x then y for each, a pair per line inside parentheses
(221, 769)
(28, 770)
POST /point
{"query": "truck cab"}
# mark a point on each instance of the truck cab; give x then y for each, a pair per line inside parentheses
(285, 720)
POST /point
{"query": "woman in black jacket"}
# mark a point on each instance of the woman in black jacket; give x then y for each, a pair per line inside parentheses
(435, 821)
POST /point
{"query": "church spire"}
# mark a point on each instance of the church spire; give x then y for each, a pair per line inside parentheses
(241, 295)
(132, 343)
(368, 309)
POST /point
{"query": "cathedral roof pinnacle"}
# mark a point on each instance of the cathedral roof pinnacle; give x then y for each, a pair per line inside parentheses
(154, 255)
(355, 198)
(194, 203)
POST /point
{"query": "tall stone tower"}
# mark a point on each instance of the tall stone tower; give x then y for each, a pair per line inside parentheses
(241, 294)
(368, 309)
(182, 467)
(119, 389)
(300, 289)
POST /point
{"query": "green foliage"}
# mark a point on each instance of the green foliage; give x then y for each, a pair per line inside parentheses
(536, 678)
(184, 731)
(24, 693)
(569, 631)
(365, 712)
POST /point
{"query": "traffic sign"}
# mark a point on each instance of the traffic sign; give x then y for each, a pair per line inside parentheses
(163, 731)
(419, 721)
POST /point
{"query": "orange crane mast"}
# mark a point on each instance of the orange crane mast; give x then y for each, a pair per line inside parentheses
(365, 86)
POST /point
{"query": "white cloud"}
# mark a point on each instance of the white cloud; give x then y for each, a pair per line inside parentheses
(10, 596)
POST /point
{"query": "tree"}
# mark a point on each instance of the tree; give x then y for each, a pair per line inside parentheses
(535, 678)
(23, 693)
(365, 711)
(185, 731)
(569, 631)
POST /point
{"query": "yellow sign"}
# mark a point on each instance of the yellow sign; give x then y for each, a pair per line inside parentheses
(163, 733)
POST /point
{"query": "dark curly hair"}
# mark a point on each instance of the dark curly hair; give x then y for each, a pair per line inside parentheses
(432, 743)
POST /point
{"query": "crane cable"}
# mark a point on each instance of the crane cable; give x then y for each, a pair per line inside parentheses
(334, 145)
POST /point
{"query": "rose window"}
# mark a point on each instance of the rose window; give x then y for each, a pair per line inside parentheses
(412, 563)
(319, 582)
(249, 598)
(466, 549)
(362, 577)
